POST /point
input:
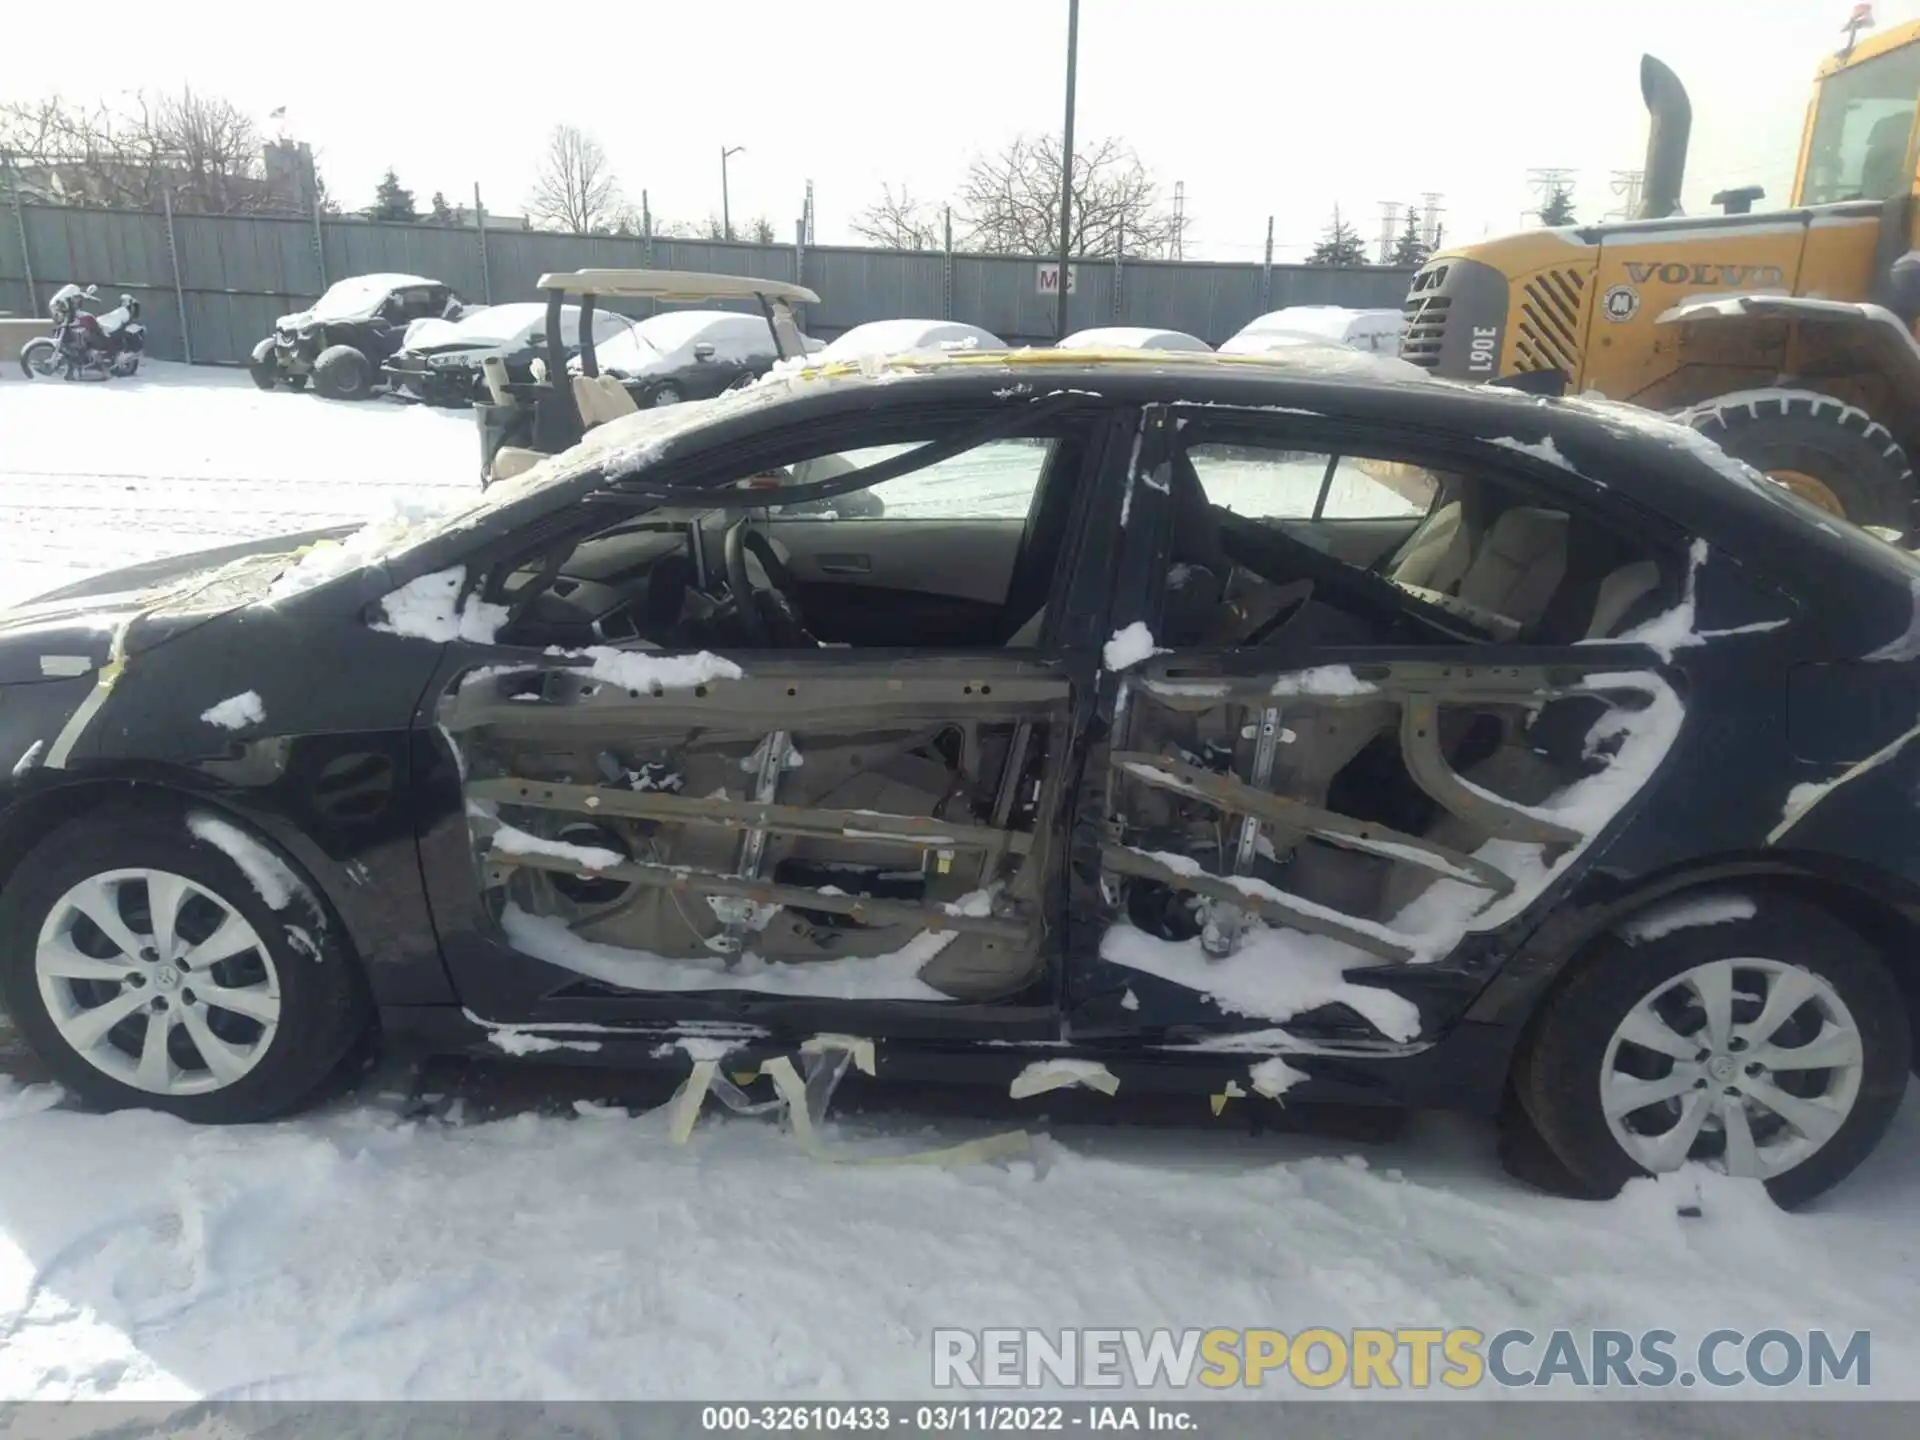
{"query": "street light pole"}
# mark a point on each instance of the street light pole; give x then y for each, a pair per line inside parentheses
(1066, 170)
(726, 212)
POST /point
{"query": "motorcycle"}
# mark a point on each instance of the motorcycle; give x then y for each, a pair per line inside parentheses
(85, 346)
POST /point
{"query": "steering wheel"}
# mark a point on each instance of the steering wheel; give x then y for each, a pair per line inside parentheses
(771, 616)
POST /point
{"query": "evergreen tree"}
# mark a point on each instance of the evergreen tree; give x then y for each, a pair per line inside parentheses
(1341, 245)
(442, 213)
(1410, 251)
(1558, 209)
(391, 201)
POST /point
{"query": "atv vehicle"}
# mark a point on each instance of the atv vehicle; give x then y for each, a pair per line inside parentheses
(349, 333)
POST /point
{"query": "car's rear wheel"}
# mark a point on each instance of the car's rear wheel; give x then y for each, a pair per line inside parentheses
(262, 366)
(1774, 1046)
(1828, 453)
(341, 372)
(145, 966)
(666, 395)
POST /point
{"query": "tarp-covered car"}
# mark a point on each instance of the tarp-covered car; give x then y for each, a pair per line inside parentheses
(342, 340)
(441, 360)
(1247, 729)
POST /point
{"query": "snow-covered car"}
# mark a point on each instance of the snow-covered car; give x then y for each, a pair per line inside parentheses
(1250, 732)
(908, 337)
(1132, 337)
(343, 339)
(1375, 331)
(689, 355)
(441, 360)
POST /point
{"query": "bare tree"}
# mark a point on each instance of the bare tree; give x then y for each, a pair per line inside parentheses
(205, 149)
(1011, 201)
(761, 231)
(574, 188)
(899, 222)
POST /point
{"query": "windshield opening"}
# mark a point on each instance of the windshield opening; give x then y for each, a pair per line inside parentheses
(1863, 130)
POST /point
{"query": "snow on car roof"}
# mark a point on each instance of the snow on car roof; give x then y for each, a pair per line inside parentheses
(1133, 337)
(682, 327)
(674, 285)
(893, 337)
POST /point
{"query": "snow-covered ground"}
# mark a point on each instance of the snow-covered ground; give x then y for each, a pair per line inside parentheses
(364, 1252)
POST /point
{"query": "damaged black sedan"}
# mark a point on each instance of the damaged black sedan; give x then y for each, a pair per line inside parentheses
(1287, 729)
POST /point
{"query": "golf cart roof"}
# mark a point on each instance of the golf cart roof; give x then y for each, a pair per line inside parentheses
(674, 285)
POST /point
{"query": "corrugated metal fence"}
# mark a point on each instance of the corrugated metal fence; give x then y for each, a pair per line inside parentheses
(211, 286)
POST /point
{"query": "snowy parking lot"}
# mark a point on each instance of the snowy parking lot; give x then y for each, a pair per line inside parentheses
(393, 1247)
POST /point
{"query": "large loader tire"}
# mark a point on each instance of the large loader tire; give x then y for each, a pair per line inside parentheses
(1829, 453)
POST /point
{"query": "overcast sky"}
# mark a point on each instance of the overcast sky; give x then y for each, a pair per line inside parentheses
(1262, 107)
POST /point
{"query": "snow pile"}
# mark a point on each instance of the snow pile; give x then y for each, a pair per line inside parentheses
(236, 711)
(1685, 915)
(1274, 974)
(895, 976)
(525, 1042)
(430, 608)
(1273, 1077)
(357, 1254)
(326, 560)
(1322, 680)
(1540, 450)
(1129, 646)
(1671, 629)
(509, 840)
(646, 672)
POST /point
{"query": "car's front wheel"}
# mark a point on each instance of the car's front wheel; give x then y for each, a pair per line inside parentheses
(666, 395)
(1761, 1036)
(150, 965)
(341, 372)
(263, 366)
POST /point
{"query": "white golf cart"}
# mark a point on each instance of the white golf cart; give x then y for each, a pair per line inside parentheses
(522, 422)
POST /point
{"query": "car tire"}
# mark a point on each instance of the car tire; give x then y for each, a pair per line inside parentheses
(665, 395)
(1829, 453)
(341, 372)
(262, 366)
(1585, 1056)
(294, 970)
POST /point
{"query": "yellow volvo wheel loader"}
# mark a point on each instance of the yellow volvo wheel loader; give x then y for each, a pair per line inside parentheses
(1787, 335)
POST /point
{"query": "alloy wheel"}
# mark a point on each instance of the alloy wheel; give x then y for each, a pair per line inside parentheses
(1750, 1062)
(156, 981)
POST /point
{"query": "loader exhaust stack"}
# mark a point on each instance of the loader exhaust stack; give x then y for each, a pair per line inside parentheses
(1670, 114)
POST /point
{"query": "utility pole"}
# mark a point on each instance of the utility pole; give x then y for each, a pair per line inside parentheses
(808, 212)
(1179, 219)
(1066, 173)
(1431, 211)
(726, 210)
(1627, 184)
(1389, 228)
(1546, 184)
